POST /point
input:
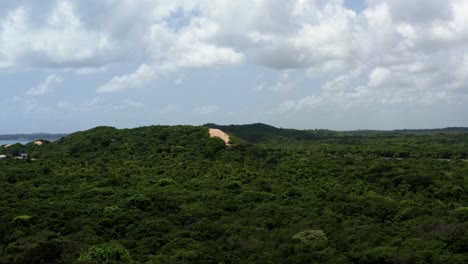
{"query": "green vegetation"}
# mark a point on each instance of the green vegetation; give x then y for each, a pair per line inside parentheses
(164, 194)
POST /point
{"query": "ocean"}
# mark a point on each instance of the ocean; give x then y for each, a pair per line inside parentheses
(11, 142)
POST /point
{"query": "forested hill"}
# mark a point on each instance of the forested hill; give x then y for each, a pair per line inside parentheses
(164, 194)
(262, 133)
(148, 141)
(450, 143)
(136, 143)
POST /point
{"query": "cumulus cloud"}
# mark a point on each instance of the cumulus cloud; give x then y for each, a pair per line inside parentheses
(308, 103)
(172, 108)
(378, 76)
(410, 11)
(206, 110)
(56, 39)
(144, 74)
(203, 55)
(128, 104)
(320, 37)
(46, 86)
(172, 50)
(284, 84)
(97, 103)
(398, 56)
(390, 53)
(179, 80)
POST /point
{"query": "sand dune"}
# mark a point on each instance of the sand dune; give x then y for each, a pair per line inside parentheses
(218, 133)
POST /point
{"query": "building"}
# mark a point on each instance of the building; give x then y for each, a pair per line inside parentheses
(24, 155)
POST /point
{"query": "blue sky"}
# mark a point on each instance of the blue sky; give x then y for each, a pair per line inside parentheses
(72, 65)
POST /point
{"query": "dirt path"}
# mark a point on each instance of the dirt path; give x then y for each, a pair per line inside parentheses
(218, 133)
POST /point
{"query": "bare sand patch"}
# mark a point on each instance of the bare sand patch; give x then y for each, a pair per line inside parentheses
(220, 134)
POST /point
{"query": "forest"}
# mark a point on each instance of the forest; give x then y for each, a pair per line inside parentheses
(172, 194)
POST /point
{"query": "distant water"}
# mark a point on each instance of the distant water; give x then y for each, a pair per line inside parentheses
(11, 142)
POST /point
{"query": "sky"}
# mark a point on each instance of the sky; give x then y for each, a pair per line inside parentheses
(69, 65)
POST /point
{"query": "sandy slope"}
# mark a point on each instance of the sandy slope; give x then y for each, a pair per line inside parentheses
(218, 133)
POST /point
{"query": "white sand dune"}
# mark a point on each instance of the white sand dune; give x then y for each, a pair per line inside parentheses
(218, 133)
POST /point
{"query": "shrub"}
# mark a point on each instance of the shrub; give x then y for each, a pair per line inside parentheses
(165, 182)
(315, 238)
(23, 220)
(139, 202)
(106, 253)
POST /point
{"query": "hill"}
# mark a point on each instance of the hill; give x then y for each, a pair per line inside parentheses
(262, 133)
(163, 194)
(438, 143)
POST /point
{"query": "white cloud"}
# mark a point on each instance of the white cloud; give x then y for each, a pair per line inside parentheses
(410, 11)
(174, 50)
(378, 76)
(92, 104)
(64, 105)
(97, 103)
(144, 74)
(172, 108)
(284, 84)
(189, 47)
(134, 104)
(59, 40)
(128, 104)
(391, 53)
(306, 104)
(206, 110)
(397, 56)
(203, 55)
(179, 80)
(46, 86)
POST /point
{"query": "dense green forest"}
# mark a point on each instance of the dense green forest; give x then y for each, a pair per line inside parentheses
(164, 194)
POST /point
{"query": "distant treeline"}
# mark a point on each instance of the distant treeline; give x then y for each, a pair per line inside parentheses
(35, 136)
(260, 133)
(447, 130)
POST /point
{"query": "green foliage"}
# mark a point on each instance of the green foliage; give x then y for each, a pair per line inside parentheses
(106, 253)
(315, 238)
(165, 182)
(174, 195)
(23, 220)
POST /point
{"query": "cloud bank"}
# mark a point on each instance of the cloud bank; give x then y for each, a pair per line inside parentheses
(391, 53)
